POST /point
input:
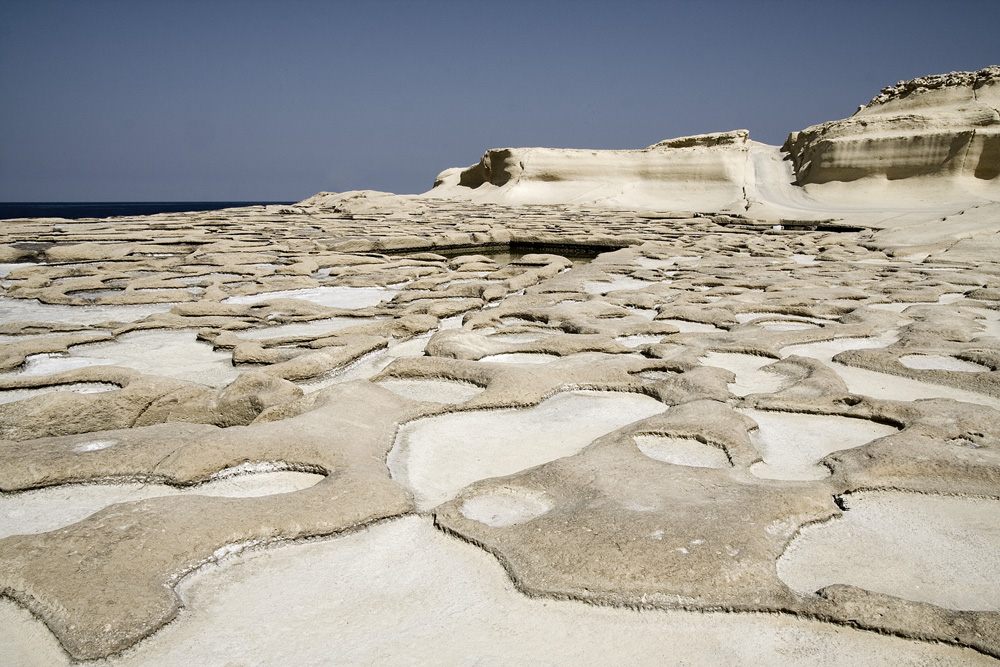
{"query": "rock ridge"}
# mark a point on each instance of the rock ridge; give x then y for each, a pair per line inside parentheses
(933, 141)
(922, 84)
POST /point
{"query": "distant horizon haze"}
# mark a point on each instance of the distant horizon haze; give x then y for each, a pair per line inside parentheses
(183, 101)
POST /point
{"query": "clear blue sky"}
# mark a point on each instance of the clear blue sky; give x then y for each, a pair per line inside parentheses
(212, 100)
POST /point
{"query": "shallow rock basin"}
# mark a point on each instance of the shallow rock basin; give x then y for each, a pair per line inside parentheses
(940, 362)
(682, 451)
(518, 337)
(314, 329)
(792, 444)
(332, 297)
(640, 339)
(776, 318)
(751, 378)
(505, 507)
(7, 267)
(900, 306)
(942, 550)
(56, 362)
(369, 364)
(43, 510)
(520, 358)
(899, 388)
(786, 325)
(11, 395)
(175, 354)
(437, 391)
(621, 283)
(827, 349)
(32, 310)
(692, 327)
(403, 593)
(438, 456)
(653, 263)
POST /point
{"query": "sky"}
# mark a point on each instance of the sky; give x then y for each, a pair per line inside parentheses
(211, 100)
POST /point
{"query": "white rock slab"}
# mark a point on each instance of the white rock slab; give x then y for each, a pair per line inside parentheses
(333, 297)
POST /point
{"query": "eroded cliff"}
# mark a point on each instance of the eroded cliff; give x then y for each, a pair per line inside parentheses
(945, 126)
(931, 142)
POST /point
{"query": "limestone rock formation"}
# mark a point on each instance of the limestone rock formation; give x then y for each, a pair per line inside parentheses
(933, 142)
(695, 172)
(945, 127)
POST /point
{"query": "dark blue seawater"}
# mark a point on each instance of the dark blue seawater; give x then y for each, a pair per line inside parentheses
(74, 210)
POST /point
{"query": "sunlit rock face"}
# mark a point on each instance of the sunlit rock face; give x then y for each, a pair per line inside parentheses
(700, 171)
(933, 141)
(946, 126)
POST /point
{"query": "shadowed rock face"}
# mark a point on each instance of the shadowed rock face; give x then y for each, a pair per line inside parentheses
(497, 167)
(685, 422)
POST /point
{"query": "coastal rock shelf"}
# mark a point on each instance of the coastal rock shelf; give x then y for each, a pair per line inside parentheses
(472, 409)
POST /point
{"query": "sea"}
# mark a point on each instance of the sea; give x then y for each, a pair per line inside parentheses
(107, 209)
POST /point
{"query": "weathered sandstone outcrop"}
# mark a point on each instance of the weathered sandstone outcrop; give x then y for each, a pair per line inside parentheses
(933, 142)
(702, 171)
(945, 126)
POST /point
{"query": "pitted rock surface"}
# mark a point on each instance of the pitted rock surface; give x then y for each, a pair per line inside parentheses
(348, 319)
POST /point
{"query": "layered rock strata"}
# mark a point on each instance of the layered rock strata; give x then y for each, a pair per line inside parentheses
(943, 127)
(691, 173)
(929, 143)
